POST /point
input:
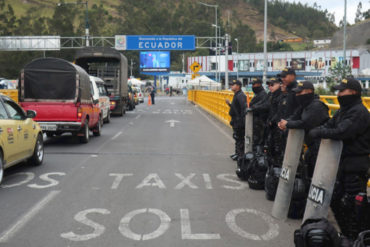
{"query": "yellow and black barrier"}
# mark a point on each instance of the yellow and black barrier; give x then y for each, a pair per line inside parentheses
(214, 102)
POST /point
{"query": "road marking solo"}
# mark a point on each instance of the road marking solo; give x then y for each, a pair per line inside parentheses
(124, 227)
(186, 229)
(166, 223)
(82, 218)
(270, 234)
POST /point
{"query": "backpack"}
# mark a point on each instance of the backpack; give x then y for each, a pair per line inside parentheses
(317, 232)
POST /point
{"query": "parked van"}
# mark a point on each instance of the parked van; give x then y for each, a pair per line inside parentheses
(61, 94)
(101, 94)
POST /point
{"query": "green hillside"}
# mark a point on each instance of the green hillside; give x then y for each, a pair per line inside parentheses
(242, 19)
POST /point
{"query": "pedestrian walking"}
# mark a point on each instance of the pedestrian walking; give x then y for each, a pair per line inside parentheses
(237, 113)
(351, 124)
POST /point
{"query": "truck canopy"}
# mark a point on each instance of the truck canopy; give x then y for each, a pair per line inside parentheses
(105, 63)
(54, 79)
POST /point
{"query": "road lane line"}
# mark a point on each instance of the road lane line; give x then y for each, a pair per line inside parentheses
(138, 116)
(214, 124)
(117, 135)
(8, 234)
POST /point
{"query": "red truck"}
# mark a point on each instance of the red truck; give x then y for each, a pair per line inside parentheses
(61, 94)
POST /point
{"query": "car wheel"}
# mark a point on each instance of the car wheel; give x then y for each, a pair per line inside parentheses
(38, 153)
(97, 129)
(85, 138)
(1, 168)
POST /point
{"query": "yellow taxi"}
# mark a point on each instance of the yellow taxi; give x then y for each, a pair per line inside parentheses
(21, 138)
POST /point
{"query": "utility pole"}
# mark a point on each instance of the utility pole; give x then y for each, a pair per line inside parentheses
(226, 61)
(216, 37)
(183, 63)
(131, 66)
(265, 45)
(237, 59)
(344, 34)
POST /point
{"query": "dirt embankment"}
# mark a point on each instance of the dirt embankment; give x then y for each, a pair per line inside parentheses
(357, 36)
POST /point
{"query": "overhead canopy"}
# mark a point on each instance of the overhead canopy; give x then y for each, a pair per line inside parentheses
(204, 82)
(135, 82)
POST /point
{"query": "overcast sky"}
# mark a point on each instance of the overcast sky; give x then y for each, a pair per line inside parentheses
(337, 7)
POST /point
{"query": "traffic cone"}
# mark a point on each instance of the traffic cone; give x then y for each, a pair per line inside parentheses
(149, 100)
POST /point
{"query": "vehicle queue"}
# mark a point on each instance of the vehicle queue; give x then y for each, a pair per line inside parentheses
(56, 97)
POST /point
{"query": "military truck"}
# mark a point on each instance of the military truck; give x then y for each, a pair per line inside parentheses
(111, 66)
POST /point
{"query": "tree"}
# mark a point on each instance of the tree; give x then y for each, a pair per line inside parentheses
(359, 15)
(337, 73)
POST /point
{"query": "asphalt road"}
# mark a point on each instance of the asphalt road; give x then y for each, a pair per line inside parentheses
(159, 176)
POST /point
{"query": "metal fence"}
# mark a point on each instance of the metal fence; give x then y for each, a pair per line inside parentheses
(214, 102)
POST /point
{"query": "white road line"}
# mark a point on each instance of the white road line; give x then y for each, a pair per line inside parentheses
(138, 116)
(214, 124)
(8, 234)
(117, 135)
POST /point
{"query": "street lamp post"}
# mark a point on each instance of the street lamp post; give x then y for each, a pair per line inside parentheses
(265, 45)
(87, 26)
(237, 58)
(217, 46)
(226, 61)
(216, 37)
(344, 34)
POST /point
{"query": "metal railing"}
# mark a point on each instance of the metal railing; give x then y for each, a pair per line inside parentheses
(214, 102)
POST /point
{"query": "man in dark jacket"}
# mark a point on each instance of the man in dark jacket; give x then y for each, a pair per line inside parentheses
(237, 113)
(259, 106)
(310, 113)
(275, 139)
(288, 77)
(351, 124)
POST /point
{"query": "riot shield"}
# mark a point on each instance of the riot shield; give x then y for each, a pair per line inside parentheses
(249, 132)
(323, 179)
(286, 181)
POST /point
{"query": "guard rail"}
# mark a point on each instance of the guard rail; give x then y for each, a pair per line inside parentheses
(214, 102)
(11, 93)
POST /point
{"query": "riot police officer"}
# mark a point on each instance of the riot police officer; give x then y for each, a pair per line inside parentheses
(351, 124)
(237, 113)
(288, 77)
(259, 106)
(311, 113)
(275, 135)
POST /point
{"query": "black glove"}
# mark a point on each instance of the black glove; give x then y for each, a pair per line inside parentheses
(315, 133)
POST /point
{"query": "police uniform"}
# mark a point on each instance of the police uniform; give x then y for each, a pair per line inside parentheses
(291, 102)
(275, 140)
(311, 113)
(259, 106)
(237, 113)
(351, 124)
